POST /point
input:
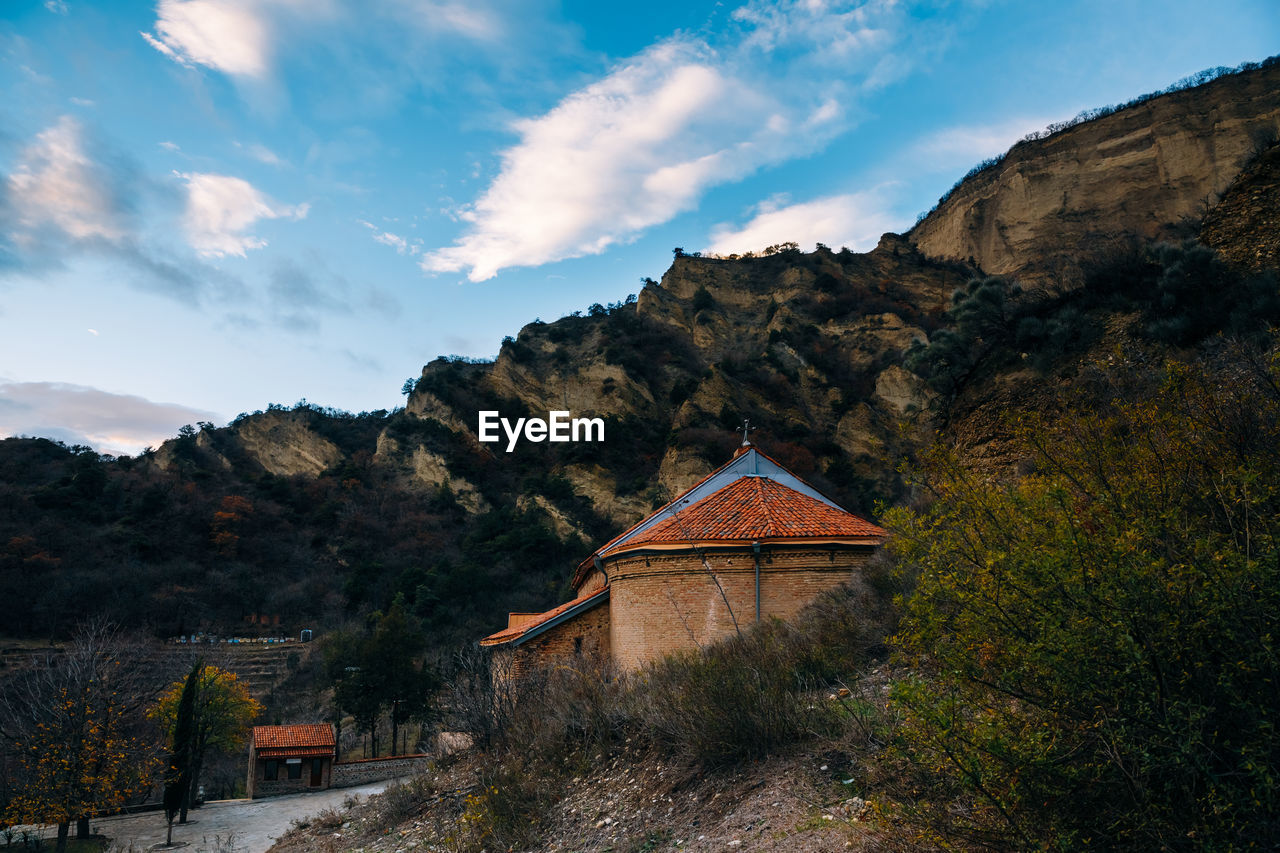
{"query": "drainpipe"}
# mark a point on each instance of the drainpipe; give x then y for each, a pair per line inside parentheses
(600, 568)
(755, 550)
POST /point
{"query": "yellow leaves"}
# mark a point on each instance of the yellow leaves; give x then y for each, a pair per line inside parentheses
(224, 709)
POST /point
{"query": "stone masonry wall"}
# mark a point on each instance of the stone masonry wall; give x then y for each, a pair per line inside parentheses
(259, 786)
(350, 773)
(661, 602)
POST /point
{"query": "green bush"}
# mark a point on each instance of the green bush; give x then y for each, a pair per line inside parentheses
(1096, 643)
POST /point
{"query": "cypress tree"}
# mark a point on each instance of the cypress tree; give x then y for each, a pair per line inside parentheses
(178, 780)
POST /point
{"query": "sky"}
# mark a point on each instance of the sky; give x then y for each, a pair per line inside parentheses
(209, 206)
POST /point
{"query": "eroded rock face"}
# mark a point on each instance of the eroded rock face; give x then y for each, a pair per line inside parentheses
(420, 468)
(589, 387)
(282, 444)
(598, 485)
(427, 405)
(1245, 226)
(903, 391)
(1136, 174)
(561, 524)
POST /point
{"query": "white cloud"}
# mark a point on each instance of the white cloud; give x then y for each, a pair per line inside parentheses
(822, 30)
(470, 20)
(57, 7)
(395, 241)
(241, 37)
(644, 143)
(57, 184)
(231, 36)
(855, 220)
(221, 209)
(79, 414)
(263, 154)
(967, 144)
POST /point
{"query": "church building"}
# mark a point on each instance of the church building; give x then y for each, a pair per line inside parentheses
(749, 542)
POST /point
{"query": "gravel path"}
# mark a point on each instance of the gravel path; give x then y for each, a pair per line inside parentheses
(254, 824)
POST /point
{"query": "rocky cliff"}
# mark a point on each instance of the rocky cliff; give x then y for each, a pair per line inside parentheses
(1140, 172)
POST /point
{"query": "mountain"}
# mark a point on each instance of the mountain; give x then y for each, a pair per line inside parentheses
(844, 363)
(1145, 171)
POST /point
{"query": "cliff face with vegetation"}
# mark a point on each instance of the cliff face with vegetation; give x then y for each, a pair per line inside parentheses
(844, 363)
(808, 347)
(1147, 171)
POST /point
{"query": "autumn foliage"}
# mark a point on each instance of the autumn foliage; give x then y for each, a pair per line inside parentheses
(221, 714)
(79, 748)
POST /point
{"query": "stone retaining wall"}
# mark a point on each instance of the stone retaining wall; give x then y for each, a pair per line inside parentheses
(348, 774)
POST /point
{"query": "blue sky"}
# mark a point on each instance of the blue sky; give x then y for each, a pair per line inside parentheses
(207, 206)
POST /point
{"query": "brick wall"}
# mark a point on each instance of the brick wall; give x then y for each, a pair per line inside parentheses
(593, 581)
(664, 601)
(347, 774)
(588, 634)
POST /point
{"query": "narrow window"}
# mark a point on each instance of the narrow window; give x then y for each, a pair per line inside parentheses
(577, 645)
(272, 771)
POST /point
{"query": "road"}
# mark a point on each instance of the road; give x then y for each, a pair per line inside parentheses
(253, 824)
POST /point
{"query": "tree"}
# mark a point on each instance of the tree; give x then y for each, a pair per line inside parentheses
(178, 779)
(73, 722)
(379, 670)
(984, 315)
(405, 684)
(223, 712)
(1096, 642)
(702, 299)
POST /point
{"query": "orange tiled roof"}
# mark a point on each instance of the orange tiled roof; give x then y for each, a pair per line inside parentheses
(309, 735)
(507, 635)
(754, 509)
(294, 751)
(785, 517)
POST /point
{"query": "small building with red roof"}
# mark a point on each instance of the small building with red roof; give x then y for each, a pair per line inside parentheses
(290, 759)
(750, 541)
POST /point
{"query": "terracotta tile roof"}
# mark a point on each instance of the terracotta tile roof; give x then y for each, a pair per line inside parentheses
(747, 464)
(308, 735)
(751, 509)
(508, 635)
(295, 751)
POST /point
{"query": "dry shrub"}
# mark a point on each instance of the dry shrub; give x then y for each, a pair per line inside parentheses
(746, 696)
(568, 709)
(537, 730)
(508, 809)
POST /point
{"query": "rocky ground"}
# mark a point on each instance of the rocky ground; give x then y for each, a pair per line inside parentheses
(630, 802)
(634, 800)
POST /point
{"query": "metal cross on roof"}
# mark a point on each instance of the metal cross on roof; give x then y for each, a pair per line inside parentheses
(746, 428)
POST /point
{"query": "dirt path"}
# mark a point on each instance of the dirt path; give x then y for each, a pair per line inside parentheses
(253, 824)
